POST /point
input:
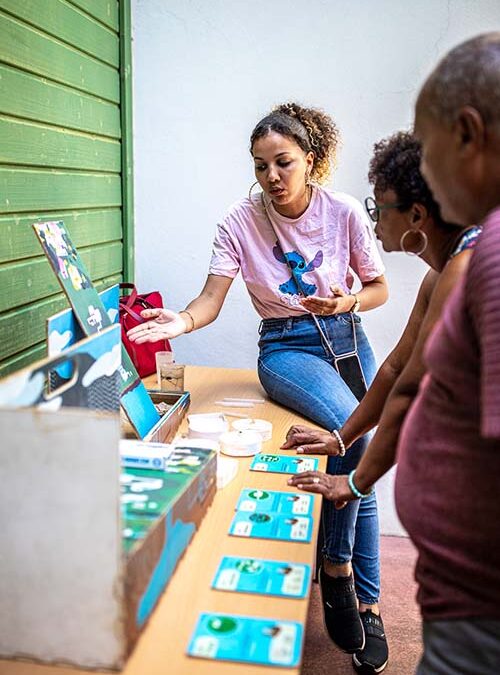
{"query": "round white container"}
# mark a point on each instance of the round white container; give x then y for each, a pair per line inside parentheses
(209, 425)
(240, 443)
(262, 427)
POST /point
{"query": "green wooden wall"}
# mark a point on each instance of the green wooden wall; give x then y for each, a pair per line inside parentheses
(64, 100)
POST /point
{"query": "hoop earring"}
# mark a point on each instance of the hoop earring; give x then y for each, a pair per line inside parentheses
(251, 189)
(424, 242)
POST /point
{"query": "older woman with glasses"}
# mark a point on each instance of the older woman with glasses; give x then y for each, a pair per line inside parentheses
(406, 219)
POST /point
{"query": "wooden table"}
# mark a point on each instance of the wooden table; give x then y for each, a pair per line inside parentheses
(161, 648)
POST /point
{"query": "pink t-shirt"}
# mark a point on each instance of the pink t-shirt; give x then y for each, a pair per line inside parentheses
(448, 478)
(331, 238)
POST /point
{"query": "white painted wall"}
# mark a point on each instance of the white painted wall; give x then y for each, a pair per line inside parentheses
(206, 72)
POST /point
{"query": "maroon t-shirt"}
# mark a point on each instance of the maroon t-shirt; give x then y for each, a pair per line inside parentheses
(448, 477)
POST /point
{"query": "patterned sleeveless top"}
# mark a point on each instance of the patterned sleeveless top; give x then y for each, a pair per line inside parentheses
(467, 240)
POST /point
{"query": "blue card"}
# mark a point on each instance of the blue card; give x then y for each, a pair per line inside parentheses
(246, 639)
(264, 577)
(272, 526)
(63, 330)
(283, 463)
(253, 499)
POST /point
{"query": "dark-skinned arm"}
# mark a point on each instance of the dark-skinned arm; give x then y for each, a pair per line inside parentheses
(367, 414)
(381, 452)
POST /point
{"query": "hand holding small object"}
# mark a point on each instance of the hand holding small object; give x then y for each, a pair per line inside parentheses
(310, 441)
(159, 324)
(337, 303)
(333, 488)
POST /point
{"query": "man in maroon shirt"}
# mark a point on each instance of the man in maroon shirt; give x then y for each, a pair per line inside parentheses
(448, 479)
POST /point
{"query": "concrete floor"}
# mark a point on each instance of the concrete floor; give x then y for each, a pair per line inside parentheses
(399, 611)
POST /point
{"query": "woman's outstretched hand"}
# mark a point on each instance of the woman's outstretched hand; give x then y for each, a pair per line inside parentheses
(338, 302)
(159, 324)
(334, 488)
(309, 441)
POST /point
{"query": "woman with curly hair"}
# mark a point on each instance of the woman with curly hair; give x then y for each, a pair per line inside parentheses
(295, 244)
(407, 219)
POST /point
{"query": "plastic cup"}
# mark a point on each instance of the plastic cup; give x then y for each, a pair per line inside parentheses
(170, 375)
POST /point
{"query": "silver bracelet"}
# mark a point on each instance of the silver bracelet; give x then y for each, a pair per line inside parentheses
(341, 443)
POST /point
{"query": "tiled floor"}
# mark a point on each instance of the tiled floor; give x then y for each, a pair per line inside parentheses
(399, 611)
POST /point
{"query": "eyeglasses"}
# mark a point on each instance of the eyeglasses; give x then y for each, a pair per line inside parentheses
(373, 209)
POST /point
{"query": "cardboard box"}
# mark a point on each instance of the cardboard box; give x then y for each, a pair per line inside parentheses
(73, 589)
(168, 426)
(161, 512)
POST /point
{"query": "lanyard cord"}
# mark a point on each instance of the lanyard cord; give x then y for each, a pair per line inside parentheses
(322, 333)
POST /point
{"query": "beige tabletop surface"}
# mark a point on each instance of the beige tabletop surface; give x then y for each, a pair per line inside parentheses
(162, 646)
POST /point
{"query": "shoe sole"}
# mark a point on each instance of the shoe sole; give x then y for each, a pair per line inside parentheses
(346, 651)
(365, 668)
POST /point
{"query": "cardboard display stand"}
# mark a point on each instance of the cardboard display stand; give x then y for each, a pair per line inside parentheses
(80, 572)
(63, 330)
(61, 565)
(86, 556)
(61, 569)
(92, 317)
(94, 383)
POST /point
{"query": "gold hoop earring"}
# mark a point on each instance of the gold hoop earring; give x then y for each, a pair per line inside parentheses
(422, 248)
(251, 189)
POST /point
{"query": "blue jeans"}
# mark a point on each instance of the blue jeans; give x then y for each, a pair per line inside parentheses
(297, 371)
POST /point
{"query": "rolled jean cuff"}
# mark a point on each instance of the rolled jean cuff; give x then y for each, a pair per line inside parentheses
(367, 600)
(335, 561)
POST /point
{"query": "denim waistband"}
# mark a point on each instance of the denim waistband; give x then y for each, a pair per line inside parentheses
(290, 321)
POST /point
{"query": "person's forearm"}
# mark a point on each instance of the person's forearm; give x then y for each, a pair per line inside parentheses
(381, 452)
(373, 294)
(206, 307)
(367, 414)
(202, 311)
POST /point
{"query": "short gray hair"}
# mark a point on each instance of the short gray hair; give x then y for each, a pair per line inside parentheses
(469, 75)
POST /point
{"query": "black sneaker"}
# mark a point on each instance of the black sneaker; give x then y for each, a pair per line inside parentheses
(340, 607)
(373, 658)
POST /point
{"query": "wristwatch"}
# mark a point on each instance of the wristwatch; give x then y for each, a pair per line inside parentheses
(357, 303)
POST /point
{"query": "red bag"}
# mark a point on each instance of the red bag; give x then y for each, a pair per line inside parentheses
(143, 355)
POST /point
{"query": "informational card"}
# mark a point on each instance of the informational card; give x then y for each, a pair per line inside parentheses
(272, 526)
(245, 639)
(252, 499)
(263, 577)
(283, 463)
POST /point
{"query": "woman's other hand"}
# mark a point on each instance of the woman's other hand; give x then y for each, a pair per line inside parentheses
(159, 324)
(334, 488)
(337, 303)
(310, 441)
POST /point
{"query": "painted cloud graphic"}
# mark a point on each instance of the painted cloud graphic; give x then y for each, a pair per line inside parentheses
(105, 365)
(58, 341)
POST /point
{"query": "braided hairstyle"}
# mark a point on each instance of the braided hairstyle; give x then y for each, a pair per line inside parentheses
(312, 129)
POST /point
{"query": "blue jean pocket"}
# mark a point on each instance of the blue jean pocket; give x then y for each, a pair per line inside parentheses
(272, 334)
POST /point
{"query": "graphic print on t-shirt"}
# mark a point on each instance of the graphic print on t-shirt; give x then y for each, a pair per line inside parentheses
(296, 262)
